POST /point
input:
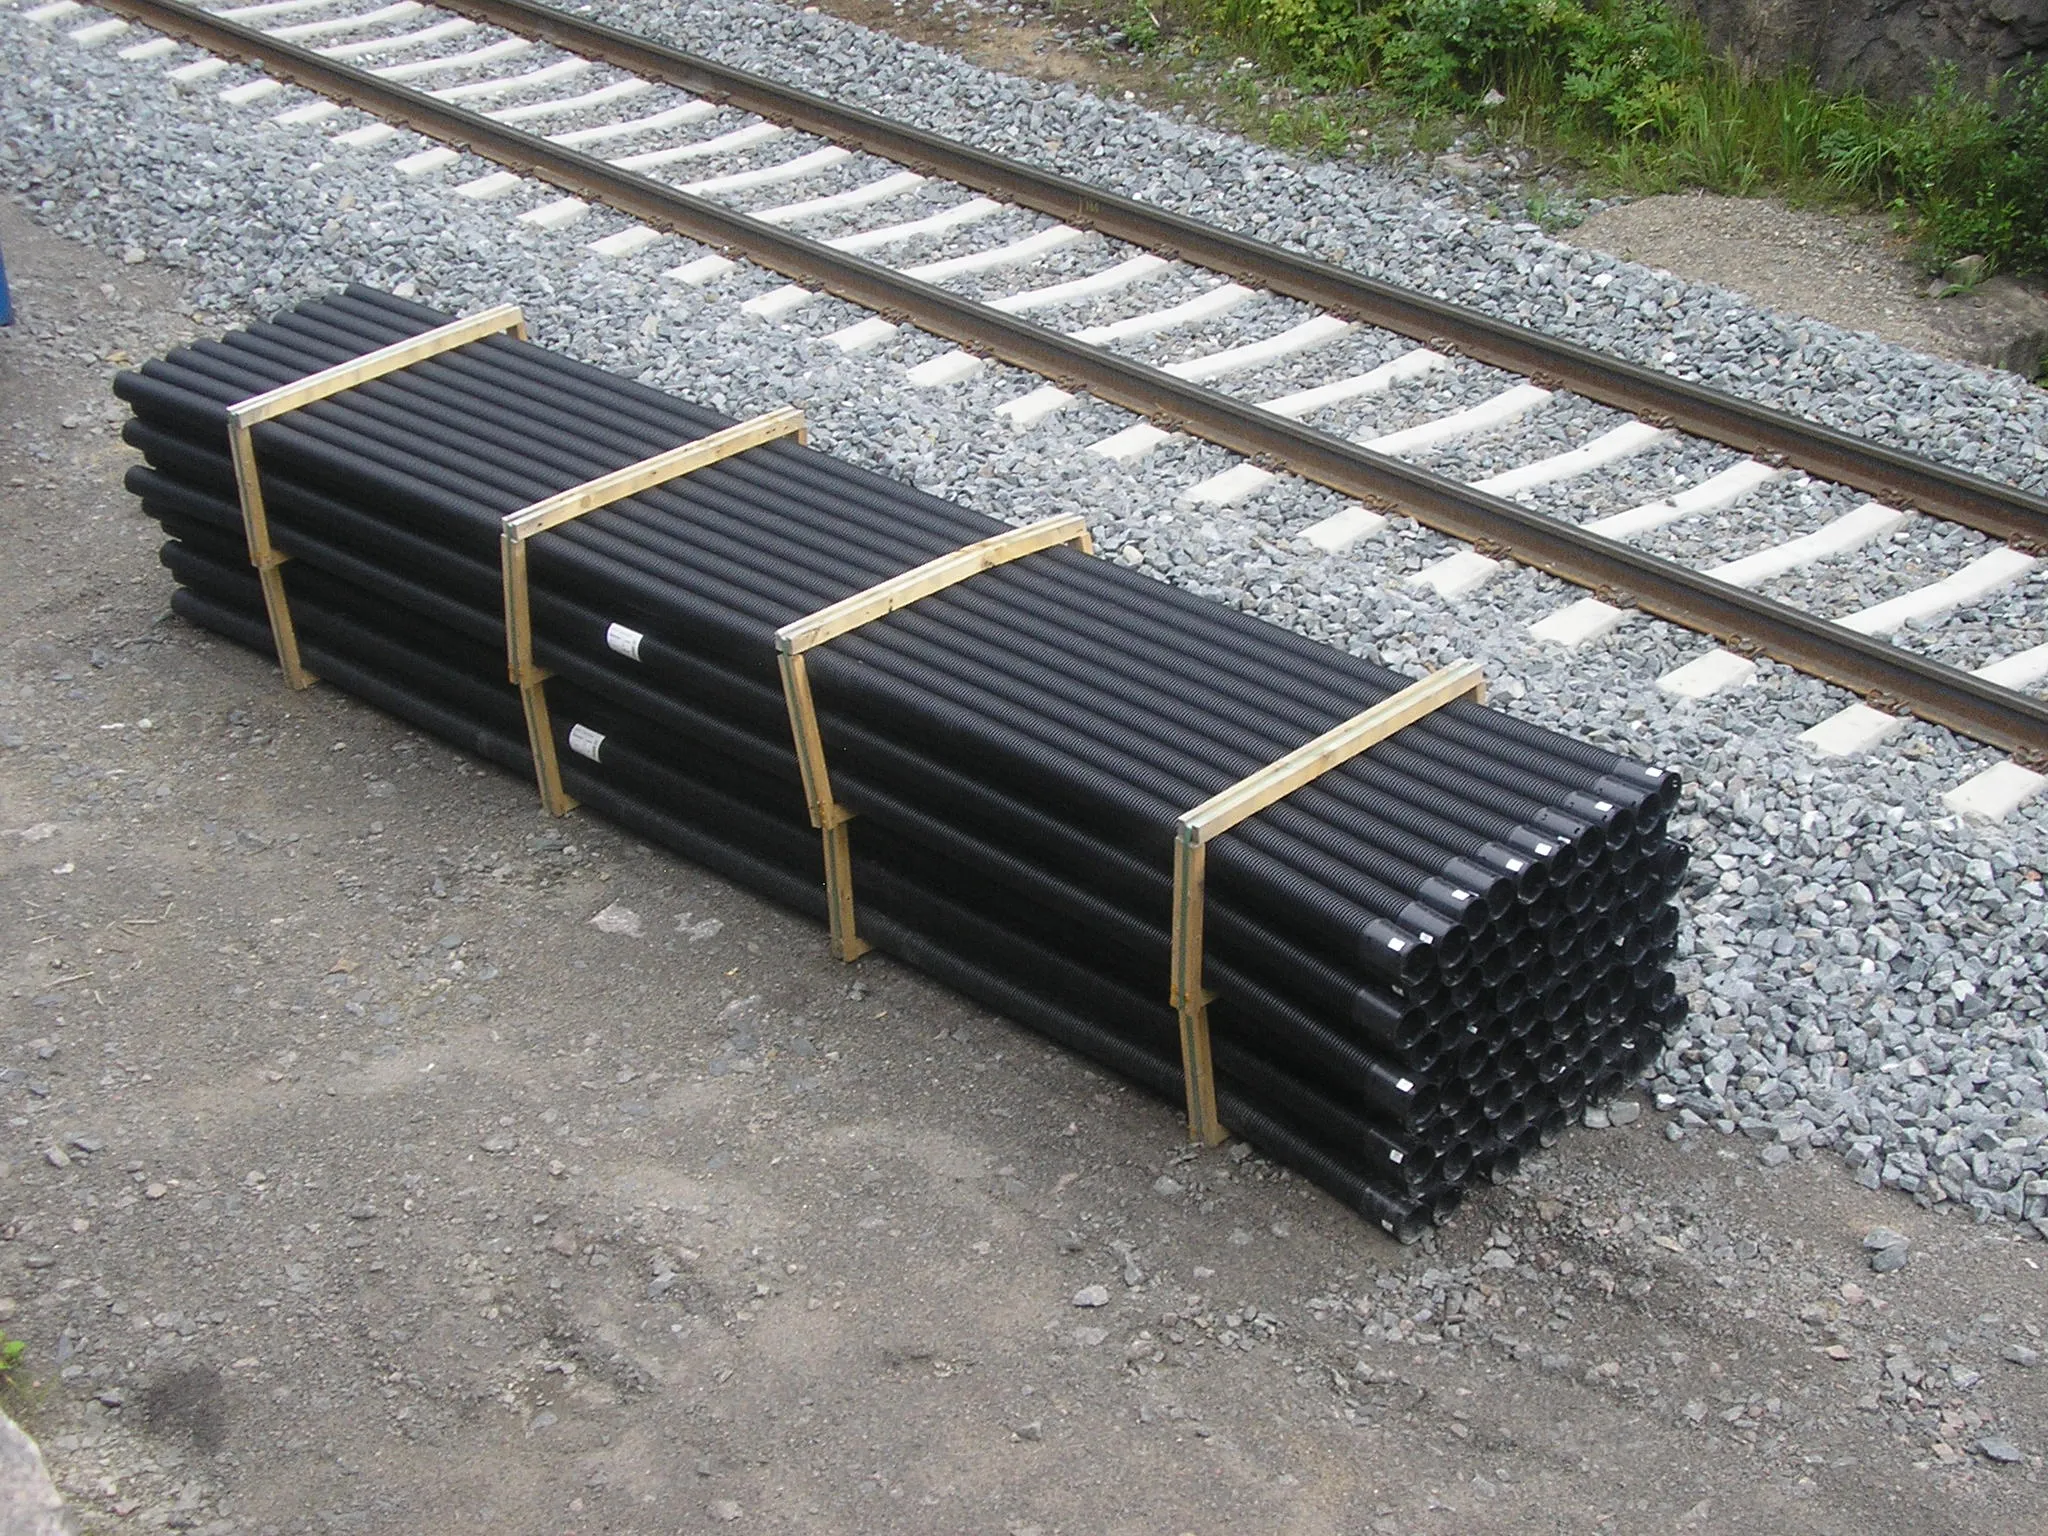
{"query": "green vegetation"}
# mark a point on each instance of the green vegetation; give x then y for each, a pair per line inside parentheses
(1634, 95)
(1141, 27)
(22, 1393)
(11, 1351)
(1971, 173)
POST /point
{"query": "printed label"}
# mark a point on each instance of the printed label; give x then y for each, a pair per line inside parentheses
(623, 640)
(584, 740)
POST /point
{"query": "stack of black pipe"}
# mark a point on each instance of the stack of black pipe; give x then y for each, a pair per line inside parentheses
(1425, 961)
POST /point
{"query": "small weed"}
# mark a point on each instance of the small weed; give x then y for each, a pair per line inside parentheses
(20, 1393)
(1311, 125)
(1554, 215)
(1141, 27)
(1969, 173)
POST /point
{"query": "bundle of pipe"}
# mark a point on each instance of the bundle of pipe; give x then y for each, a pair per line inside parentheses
(1426, 960)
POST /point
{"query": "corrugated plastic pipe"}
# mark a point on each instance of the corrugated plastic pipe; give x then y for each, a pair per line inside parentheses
(451, 447)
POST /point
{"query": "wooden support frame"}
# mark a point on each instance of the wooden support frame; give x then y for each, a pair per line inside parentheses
(846, 615)
(1246, 798)
(246, 415)
(566, 506)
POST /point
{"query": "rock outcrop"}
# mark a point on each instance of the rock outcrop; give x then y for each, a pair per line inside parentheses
(1890, 48)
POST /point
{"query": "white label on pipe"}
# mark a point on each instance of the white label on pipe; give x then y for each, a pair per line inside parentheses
(586, 741)
(623, 640)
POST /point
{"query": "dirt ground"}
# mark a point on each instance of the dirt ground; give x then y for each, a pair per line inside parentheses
(381, 1155)
(1032, 43)
(1851, 270)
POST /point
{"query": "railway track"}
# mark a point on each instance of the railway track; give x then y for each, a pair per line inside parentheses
(1496, 435)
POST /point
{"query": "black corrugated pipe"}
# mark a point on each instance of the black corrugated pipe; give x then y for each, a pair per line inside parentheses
(948, 725)
(1392, 1211)
(1601, 772)
(1251, 755)
(1455, 873)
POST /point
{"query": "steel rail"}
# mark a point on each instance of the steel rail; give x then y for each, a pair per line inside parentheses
(1886, 473)
(1887, 676)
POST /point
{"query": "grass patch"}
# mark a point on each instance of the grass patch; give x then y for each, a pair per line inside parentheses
(20, 1393)
(1627, 92)
(1971, 172)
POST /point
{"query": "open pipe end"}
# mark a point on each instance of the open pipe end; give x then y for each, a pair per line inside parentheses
(1660, 787)
(1495, 889)
(1515, 863)
(1398, 952)
(1584, 838)
(1450, 938)
(1499, 963)
(1409, 1228)
(1443, 1205)
(1546, 847)
(1414, 1165)
(1455, 1163)
(1508, 995)
(1501, 1096)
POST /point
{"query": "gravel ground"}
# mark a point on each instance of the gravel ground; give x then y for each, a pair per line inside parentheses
(1659, 471)
(1359, 350)
(2009, 621)
(1852, 268)
(382, 1155)
(1866, 971)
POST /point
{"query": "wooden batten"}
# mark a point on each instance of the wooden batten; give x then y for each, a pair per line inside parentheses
(529, 522)
(1246, 798)
(847, 615)
(246, 415)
